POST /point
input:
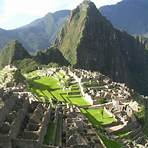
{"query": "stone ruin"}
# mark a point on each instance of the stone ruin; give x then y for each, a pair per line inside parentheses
(94, 85)
(24, 124)
(118, 97)
(79, 132)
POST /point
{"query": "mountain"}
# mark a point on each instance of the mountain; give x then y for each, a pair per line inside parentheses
(52, 55)
(38, 34)
(11, 52)
(143, 40)
(15, 54)
(89, 41)
(128, 15)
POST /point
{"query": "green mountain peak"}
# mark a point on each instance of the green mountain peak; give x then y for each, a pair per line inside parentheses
(11, 52)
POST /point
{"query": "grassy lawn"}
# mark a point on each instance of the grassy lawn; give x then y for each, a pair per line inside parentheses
(123, 134)
(58, 131)
(48, 87)
(48, 139)
(109, 143)
(97, 116)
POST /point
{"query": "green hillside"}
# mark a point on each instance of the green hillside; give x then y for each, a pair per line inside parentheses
(11, 52)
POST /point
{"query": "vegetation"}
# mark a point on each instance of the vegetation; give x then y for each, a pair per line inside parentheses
(37, 35)
(68, 41)
(14, 53)
(27, 65)
(140, 115)
(123, 134)
(11, 52)
(49, 87)
(102, 100)
(109, 143)
(81, 45)
(52, 55)
(98, 116)
(48, 139)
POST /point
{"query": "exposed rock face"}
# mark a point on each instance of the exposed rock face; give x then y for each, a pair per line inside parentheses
(90, 42)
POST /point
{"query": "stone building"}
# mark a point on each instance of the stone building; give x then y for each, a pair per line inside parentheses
(26, 124)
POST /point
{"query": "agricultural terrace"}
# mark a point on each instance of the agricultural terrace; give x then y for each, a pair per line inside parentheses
(52, 87)
(59, 87)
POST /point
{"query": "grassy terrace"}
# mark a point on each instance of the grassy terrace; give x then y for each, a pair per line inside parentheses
(123, 134)
(109, 143)
(48, 87)
(49, 136)
(97, 116)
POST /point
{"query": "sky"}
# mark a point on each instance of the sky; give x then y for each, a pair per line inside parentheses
(16, 13)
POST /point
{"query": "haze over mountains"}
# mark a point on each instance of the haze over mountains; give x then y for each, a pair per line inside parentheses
(89, 41)
(38, 34)
(128, 15)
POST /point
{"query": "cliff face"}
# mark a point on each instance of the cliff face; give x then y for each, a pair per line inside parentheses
(90, 42)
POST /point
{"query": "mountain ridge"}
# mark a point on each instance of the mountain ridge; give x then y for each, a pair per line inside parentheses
(11, 52)
(128, 15)
(89, 41)
(38, 34)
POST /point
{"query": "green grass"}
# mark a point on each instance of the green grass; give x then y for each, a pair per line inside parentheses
(140, 115)
(123, 134)
(97, 116)
(48, 139)
(48, 87)
(58, 131)
(109, 143)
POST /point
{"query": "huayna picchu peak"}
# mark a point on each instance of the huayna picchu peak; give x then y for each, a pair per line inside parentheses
(89, 41)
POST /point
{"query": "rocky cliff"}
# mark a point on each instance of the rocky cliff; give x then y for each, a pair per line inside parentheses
(90, 42)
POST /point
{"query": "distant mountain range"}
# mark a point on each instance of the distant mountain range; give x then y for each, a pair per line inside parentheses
(128, 15)
(37, 35)
(89, 41)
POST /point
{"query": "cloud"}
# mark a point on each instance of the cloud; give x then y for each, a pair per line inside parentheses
(100, 3)
(14, 13)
